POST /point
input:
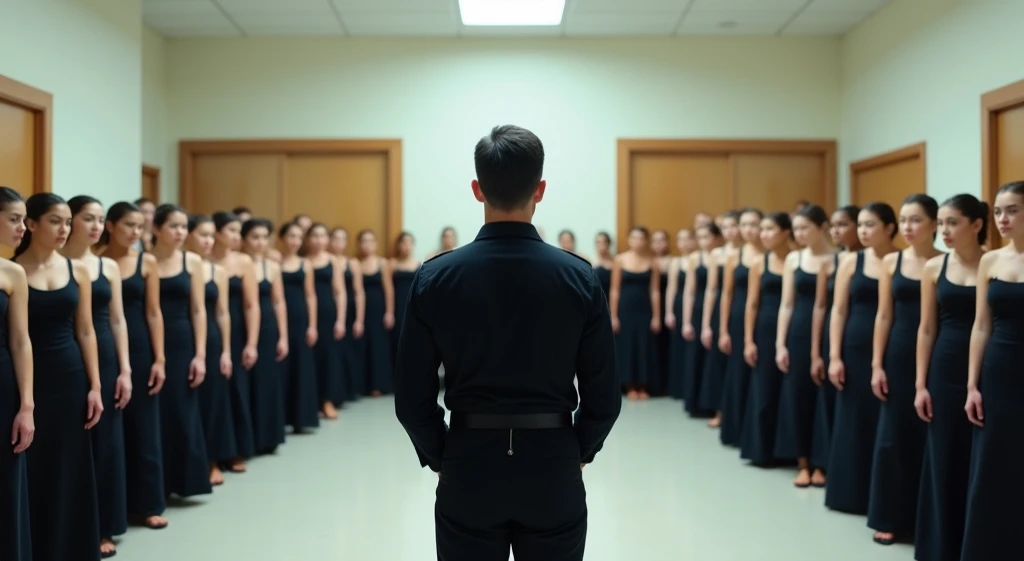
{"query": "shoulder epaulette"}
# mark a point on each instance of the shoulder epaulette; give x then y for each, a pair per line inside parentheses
(438, 255)
(576, 255)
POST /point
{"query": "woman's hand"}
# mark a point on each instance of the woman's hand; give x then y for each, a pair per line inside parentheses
(225, 364)
(249, 357)
(123, 390)
(879, 383)
(837, 373)
(923, 404)
(311, 337)
(706, 337)
(93, 408)
(750, 354)
(196, 372)
(670, 320)
(282, 349)
(23, 430)
(157, 377)
(725, 343)
(817, 370)
(782, 359)
(975, 412)
(688, 332)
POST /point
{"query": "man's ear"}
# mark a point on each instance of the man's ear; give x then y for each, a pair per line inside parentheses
(477, 192)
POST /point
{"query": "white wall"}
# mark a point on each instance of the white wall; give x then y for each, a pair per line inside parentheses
(441, 96)
(87, 53)
(157, 149)
(916, 72)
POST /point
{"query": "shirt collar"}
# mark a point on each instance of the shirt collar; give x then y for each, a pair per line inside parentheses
(508, 230)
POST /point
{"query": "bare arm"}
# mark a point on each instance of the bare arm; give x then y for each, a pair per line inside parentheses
(357, 290)
(154, 315)
(820, 310)
(389, 286)
(655, 290)
(883, 316)
(982, 329)
(728, 289)
(840, 305)
(614, 288)
(340, 294)
(673, 284)
(788, 298)
(711, 291)
(118, 325)
(929, 325)
(753, 301)
(197, 303)
(250, 302)
(85, 331)
(689, 290)
(220, 276)
(277, 300)
(18, 340)
(309, 288)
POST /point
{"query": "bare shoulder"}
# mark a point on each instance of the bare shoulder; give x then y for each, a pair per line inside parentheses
(81, 270)
(219, 273)
(148, 259)
(934, 265)
(193, 260)
(243, 258)
(890, 259)
(793, 258)
(110, 267)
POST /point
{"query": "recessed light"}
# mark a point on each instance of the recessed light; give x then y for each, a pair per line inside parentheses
(727, 24)
(511, 12)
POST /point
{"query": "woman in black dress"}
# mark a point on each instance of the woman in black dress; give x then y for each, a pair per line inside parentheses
(140, 297)
(851, 331)
(380, 315)
(843, 232)
(798, 396)
(17, 402)
(299, 388)
(63, 505)
(634, 303)
(567, 241)
(899, 442)
(732, 324)
(272, 346)
(351, 347)
(331, 303)
(662, 258)
(943, 345)
(183, 301)
(713, 373)
(709, 238)
(244, 313)
(764, 296)
(403, 270)
(604, 260)
(115, 367)
(686, 244)
(996, 491)
(215, 393)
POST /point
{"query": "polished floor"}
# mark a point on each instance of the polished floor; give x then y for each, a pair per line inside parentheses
(663, 489)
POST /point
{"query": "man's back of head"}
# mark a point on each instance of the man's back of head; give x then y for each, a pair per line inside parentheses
(509, 167)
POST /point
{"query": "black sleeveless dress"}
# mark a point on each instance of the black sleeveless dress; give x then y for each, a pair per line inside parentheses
(604, 275)
(402, 281)
(215, 391)
(798, 396)
(634, 343)
(899, 442)
(63, 502)
(299, 382)
(737, 372)
(695, 351)
(240, 383)
(15, 533)
(143, 447)
(676, 343)
(995, 490)
(713, 373)
(326, 353)
(825, 402)
(757, 443)
(856, 417)
(265, 377)
(353, 350)
(659, 380)
(942, 502)
(108, 434)
(376, 336)
(186, 466)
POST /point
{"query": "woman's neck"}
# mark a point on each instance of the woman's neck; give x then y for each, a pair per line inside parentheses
(115, 251)
(1016, 246)
(75, 249)
(882, 249)
(40, 254)
(256, 257)
(781, 251)
(820, 247)
(219, 251)
(162, 251)
(971, 254)
(755, 245)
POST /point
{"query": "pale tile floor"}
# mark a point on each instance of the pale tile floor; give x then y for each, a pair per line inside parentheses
(663, 489)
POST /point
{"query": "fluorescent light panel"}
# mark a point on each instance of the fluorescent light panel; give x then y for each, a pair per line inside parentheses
(511, 12)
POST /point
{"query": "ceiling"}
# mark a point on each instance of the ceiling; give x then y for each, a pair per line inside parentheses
(440, 18)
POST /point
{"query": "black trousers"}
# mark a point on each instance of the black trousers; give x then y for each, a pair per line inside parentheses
(532, 502)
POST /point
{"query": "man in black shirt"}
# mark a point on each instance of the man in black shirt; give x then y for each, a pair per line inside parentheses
(513, 319)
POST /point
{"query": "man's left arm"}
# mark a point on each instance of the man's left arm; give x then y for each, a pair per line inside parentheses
(417, 384)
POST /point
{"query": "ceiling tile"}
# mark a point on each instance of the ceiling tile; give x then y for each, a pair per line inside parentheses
(180, 7)
(515, 31)
(207, 29)
(326, 28)
(445, 6)
(777, 18)
(819, 28)
(624, 6)
(428, 24)
(274, 6)
(747, 5)
(286, 19)
(655, 23)
(845, 5)
(742, 28)
(215, 19)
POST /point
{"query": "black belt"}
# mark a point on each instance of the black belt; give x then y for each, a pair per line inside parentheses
(509, 422)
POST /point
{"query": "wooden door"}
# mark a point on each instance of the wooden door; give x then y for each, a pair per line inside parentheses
(669, 189)
(889, 178)
(348, 190)
(17, 148)
(1002, 143)
(151, 183)
(225, 181)
(775, 182)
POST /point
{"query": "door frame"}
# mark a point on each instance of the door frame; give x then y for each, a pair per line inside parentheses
(188, 150)
(992, 103)
(627, 147)
(914, 151)
(40, 103)
(153, 172)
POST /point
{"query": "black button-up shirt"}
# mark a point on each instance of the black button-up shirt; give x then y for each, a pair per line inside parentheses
(513, 319)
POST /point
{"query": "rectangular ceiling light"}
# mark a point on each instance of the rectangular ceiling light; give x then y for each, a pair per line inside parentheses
(511, 12)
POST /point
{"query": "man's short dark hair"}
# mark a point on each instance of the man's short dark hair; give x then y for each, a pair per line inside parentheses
(509, 166)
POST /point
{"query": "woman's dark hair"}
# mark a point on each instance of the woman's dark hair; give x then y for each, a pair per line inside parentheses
(607, 237)
(163, 214)
(568, 233)
(402, 236)
(283, 231)
(144, 201)
(712, 229)
(781, 219)
(241, 210)
(35, 207)
(79, 202)
(732, 214)
(197, 220)
(298, 217)
(253, 223)
(927, 203)
(642, 230)
(115, 214)
(223, 218)
(335, 230)
(1013, 188)
(973, 210)
(9, 196)
(815, 214)
(885, 213)
(851, 212)
(751, 210)
(304, 249)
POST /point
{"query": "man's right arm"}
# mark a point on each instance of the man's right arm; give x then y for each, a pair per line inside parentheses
(600, 396)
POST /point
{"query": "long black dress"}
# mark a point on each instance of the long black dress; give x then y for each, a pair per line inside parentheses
(604, 275)
(327, 351)
(825, 401)
(186, 466)
(942, 502)
(352, 353)
(299, 382)
(659, 381)
(695, 351)
(265, 378)
(899, 442)
(240, 383)
(634, 343)
(108, 434)
(63, 503)
(143, 447)
(15, 534)
(856, 416)
(378, 339)
(713, 373)
(677, 345)
(737, 372)
(995, 490)
(402, 281)
(757, 443)
(798, 396)
(215, 391)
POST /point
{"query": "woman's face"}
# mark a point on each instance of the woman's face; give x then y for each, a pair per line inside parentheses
(304, 222)
(256, 240)
(771, 235)
(871, 231)
(230, 235)
(730, 229)
(685, 242)
(448, 239)
(317, 239)
(602, 245)
(915, 225)
(368, 244)
(148, 209)
(659, 243)
(805, 232)
(53, 227)
(956, 229)
(12, 224)
(174, 230)
(339, 242)
(637, 240)
(292, 239)
(566, 242)
(750, 227)
(88, 222)
(842, 231)
(700, 220)
(705, 241)
(202, 238)
(127, 231)
(405, 246)
(1007, 214)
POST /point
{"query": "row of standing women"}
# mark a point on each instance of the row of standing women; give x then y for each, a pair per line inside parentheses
(865, 363)
(132, 376)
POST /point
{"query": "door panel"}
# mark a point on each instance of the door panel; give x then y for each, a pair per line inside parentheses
(775, 182)
(151, 184)
(1010, 145)
(17, 148)
(891, 183)
(225, 181)
(348, 190)
(669, 189)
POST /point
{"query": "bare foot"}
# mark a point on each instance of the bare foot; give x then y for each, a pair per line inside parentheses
(216, 476)
(803, 478)
(631, 394)
(107, 548)
(155, 522)
(642, 394)
(375, 393)
(238, 466)
(884, 538)
(715, 421)
(329, 411)
(818, 478)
